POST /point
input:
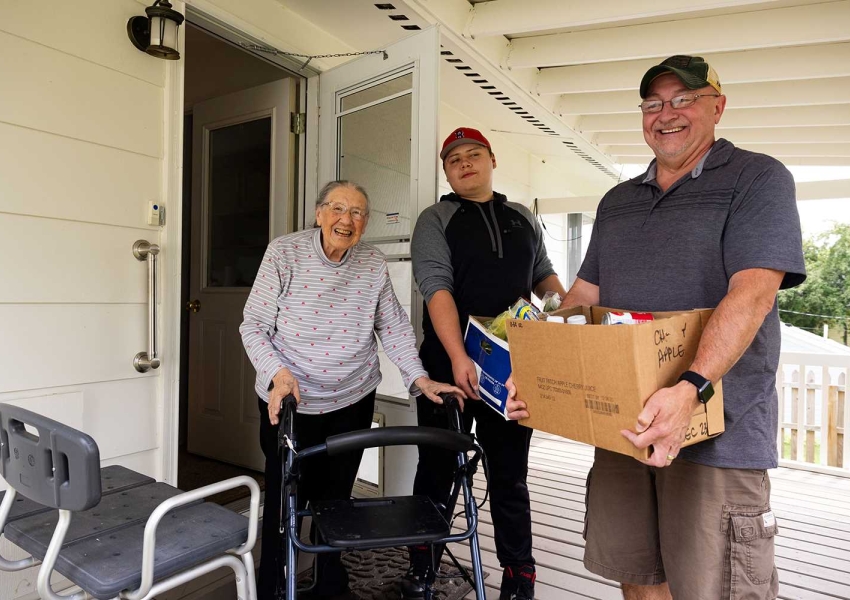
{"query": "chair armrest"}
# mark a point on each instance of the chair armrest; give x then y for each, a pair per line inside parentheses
(149, 546)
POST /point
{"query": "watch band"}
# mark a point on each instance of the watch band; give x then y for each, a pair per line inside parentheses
(704, 388)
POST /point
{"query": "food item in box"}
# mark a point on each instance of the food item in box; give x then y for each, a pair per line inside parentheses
(524, 310)
(521, 309)
(551, 301)
(616, 317)
(497, 325)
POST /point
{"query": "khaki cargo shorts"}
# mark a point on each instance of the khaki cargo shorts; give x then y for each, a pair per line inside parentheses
(708, 532)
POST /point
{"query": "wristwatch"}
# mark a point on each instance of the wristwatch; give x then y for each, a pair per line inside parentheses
(704, 388)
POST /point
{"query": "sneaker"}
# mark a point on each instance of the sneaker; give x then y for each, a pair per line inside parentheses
(518, 583)
(413, 582)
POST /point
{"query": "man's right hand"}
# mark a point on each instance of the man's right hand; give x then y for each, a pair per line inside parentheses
(466, 378)
(284, 384)
(517, 409)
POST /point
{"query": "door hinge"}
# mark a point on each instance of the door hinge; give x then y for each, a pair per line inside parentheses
(298, 123)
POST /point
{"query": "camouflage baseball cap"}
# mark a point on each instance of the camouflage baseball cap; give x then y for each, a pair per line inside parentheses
(693, 71)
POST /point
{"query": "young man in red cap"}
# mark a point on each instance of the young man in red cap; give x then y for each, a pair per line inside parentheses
(474, 252)
(707, 225)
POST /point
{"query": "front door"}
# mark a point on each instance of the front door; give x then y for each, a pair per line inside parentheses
(242, 173)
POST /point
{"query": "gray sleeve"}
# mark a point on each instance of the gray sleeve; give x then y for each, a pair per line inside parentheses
(542, 264)
(763, 229)
(429, 250)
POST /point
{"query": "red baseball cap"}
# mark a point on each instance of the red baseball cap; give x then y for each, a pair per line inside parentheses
(463, 135)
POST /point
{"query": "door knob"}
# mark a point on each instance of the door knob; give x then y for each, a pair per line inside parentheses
(193, 305)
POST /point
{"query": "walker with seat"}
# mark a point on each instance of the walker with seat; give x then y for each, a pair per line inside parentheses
(374, 523)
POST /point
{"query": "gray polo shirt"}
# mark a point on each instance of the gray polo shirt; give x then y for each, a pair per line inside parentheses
(676, 250)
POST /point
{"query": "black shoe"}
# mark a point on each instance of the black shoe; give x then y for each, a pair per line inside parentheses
(518, 583)
(413, 582)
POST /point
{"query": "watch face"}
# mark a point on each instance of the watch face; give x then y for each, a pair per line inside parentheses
(706, 392)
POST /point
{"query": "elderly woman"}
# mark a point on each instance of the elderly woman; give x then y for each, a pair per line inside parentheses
(310, 327)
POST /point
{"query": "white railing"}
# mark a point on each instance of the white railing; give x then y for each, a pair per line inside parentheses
(813, 412)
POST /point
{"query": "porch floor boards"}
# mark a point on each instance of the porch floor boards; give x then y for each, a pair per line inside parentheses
(812, 509)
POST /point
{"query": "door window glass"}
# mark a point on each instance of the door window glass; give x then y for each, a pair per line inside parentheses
(376, 92)
(374, 151)
(238, 209)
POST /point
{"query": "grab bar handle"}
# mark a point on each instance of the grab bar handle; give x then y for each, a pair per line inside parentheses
(144, 361)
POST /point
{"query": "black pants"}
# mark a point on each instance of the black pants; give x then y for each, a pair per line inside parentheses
(322, 478)
(506, 444)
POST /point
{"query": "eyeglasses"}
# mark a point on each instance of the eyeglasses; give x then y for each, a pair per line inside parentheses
(339, 209)
(683, 101)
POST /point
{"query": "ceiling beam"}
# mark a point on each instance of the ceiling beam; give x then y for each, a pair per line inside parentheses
(741, 95)
(576, 204)
(776, 150)
(757, 135)
(818, 161)
(798, 25)
(505, 17)
(810, 190)
(771, 64)
(823, 190)
(792, 116)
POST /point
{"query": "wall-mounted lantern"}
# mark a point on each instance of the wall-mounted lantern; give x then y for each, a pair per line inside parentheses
(156, 33)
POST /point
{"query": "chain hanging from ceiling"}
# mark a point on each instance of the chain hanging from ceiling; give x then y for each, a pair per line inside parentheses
(309, 57)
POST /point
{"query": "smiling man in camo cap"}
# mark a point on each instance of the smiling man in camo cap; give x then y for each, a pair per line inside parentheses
(707, 225)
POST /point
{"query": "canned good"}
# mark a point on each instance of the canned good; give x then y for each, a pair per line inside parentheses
(577, 320)
(625, 318)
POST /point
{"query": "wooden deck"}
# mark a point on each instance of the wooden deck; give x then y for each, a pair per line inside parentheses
(812, 549)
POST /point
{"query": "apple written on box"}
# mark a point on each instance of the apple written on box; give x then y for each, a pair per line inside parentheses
(492, 363)
(589, 382)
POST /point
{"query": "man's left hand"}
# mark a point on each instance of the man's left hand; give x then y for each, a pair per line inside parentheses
(663, 423)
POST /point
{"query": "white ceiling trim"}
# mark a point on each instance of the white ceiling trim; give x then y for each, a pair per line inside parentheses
(761, 135)
(798, 25)
(745, 118)
(742, 95)
(839, 150)
(505, 17)
(772, 64)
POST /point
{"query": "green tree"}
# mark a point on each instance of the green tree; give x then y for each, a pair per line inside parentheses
(825, 295)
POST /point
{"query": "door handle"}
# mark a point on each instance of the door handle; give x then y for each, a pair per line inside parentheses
(194, 306)
(147, 252)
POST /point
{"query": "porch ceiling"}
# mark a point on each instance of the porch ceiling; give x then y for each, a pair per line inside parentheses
(784, 64)
(574, 67)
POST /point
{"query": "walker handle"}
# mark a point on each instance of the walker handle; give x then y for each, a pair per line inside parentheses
(399, 436)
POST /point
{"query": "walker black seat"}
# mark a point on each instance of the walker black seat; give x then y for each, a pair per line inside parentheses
(357, 524)
(103, 548)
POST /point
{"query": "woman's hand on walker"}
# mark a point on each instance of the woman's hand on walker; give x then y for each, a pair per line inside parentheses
(284, 384)
(432, 389)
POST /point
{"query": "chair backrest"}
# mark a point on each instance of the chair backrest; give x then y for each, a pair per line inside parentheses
(57, 467)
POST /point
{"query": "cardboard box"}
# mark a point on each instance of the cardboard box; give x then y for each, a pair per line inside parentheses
(492, 363)
(589, 382)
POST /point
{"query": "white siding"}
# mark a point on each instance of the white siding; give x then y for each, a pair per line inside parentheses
(81, 138)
